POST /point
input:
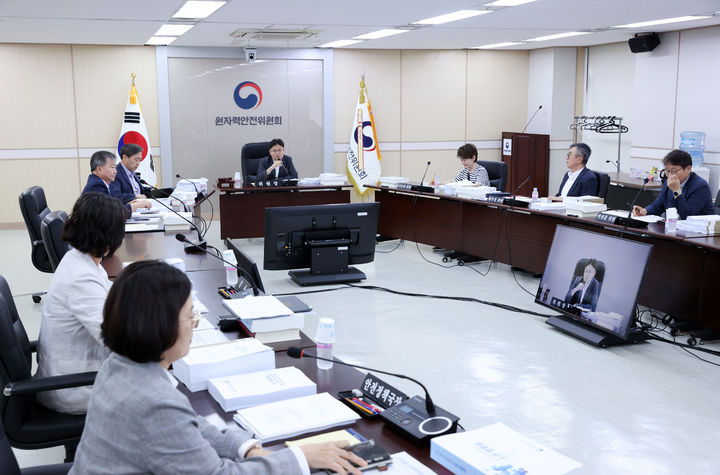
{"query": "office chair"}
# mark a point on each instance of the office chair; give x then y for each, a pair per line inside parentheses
(717, 203)
(33, 207)
(250, 157)
(497, 172)
(9, 465)
(603, 183)
(51, 229)
(27, 423)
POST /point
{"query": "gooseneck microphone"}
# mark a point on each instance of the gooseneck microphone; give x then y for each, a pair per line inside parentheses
(422, 180)
(295, 352)
(632, 205)
(521, 185)
(199, 195)
(161, 191)
(202, 244)
(248, 277)
(531, 119)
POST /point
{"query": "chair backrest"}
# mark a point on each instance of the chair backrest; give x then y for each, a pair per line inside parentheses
(250, 157)
(51, 229)
(15, 352)
(33, 207)
(603, 183)
(497, 172)
(717, 203)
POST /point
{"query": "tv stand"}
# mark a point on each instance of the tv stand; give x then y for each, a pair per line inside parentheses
(594, 336)
(305, 277)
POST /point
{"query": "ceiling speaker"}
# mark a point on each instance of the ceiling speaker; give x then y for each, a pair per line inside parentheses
(644, 43)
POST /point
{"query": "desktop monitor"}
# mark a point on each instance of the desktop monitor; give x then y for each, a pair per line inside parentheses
(593, 280)
(247, 265)
(321, 238)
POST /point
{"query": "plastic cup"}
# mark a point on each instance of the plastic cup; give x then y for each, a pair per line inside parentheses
(325, 338)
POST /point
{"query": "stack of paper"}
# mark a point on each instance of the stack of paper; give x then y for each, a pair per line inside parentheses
(583, 199)
(497, 449)
(548, 206)
(173, 222)
(207, 337)
(311, 181)
(459, 184)
(331, 179)
(224, 359)
(583, 209)
(292, 417)
(262, 314)
(261, 387)
(475, 192)
(707, 224)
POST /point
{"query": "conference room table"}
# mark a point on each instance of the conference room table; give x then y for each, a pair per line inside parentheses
(207, 274)
(682, 275)
(242, 210)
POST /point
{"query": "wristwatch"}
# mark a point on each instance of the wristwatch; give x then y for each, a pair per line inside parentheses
(676, 194)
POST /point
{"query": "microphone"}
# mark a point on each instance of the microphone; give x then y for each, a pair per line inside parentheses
(202, 244)
(295, 352)
(160, 190)
(521, 185)
(199, 195)
(632, 205)
(422, 180)
(245, 274)
(531, 119)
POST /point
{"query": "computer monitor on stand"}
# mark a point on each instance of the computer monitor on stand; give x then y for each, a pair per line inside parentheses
(322, 238)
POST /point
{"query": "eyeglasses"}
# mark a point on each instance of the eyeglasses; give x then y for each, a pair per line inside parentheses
(276, 150)
(195, 320)
(672, 171)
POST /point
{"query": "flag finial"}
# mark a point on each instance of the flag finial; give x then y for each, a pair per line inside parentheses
(132, 76)
(361, 97)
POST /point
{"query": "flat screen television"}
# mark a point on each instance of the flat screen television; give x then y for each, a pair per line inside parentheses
(593, 280)
(322, 238)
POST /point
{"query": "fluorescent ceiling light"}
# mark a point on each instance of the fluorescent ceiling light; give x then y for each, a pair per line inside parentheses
(497, 45)
(559, 35)
(173, 30)
(198, 9)
(340, 43)
(448, 17)
(160, 40)
(665, 21)
(380, 34)
(507, 3)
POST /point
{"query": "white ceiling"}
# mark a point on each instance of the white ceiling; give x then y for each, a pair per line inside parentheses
(132, 22)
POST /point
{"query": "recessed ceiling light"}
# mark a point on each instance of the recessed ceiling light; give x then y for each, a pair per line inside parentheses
(380, 34)
(340, 43)
(448, 17)
(661, 22)
(559, 35)
(198, 9)
(497, 45)
(173, 30)
(507, 3)
(160, 40)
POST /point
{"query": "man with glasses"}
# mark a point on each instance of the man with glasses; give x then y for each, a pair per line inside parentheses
(683, 189)
(578, 181)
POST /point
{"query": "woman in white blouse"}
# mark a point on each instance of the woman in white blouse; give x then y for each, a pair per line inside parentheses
(69, 340)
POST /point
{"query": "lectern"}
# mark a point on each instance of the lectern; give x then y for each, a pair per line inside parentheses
(526, 155)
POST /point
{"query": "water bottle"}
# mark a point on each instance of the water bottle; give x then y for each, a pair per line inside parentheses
(325, 339)
(671, 217)
(535, 195)
(231, 277)
(694, 144)
(237, 180)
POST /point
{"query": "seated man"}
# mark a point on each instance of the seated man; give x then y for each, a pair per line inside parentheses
(128, 184)
(277, 166)
(578, 181)
(683, 189)
(102, 179)
(585, 289)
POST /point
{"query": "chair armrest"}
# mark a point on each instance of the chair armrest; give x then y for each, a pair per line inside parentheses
(51, 383)
(33, 346)
(38, 242)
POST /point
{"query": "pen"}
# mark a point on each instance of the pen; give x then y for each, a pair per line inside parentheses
(360, 406)
(366, 404)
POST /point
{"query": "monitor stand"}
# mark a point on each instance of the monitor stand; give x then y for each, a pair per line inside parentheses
(594, 336)
(305, 277)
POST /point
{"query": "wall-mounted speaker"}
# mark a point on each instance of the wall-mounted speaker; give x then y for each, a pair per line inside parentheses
(644, 43)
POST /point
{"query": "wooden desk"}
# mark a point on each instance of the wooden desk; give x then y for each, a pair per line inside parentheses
(682, 275)
(623, 188)
(242, 210)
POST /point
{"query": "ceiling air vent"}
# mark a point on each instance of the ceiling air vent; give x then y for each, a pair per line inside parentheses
(273, 35)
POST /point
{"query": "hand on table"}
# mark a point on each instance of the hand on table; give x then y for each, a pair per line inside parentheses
(639, 211)
(333, 456)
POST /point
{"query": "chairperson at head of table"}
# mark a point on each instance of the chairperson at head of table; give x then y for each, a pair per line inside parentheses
(683, 190)
(277, 165)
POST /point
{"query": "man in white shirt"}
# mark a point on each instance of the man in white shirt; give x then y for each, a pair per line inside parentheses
(578, 181)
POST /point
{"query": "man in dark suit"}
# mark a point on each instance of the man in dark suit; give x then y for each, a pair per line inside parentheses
(585, 289)
(683, 190)
(277, 166)
(102, 179)
(578, 181)
(127, 182)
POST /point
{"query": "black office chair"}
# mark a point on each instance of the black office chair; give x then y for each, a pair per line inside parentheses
(717, 203)
(603, 183)
(28, 424)
(51, 229)
(250, 157)
(33, 207)
(9, 465)
(497, 172)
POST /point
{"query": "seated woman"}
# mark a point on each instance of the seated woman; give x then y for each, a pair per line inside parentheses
(471, 170)
(69, 340)
(277, 166)
(138, 422)
(585, 289)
